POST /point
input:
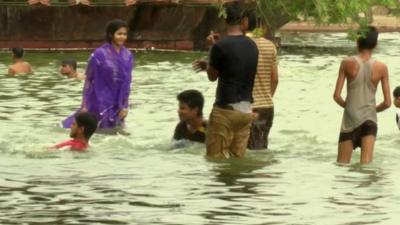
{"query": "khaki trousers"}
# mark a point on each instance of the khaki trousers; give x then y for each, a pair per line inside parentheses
(227, 133)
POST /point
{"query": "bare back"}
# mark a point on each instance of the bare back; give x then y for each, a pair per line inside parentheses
(351, 69)
(20, 68)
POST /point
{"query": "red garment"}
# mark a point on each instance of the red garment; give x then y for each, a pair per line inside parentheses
(73, 145)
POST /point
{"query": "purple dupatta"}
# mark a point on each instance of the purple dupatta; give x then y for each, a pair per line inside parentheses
(107, 86)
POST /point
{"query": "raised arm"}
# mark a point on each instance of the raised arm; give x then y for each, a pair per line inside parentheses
(339, 86)
(385, 90)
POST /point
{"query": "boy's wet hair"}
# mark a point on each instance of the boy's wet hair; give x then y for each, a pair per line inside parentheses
(18, 52)
(368, 40)
(192, 98)
(70, 62)
(88, 121)
(112, 27)
(396, 92)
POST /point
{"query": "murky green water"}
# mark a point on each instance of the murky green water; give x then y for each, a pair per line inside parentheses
(139, 179)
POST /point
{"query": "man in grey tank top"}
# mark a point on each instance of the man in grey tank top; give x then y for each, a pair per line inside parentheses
(362, 75)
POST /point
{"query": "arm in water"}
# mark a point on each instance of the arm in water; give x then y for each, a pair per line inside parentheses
(385, 90)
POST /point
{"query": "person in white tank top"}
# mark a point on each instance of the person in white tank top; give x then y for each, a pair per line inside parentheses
(362, 75)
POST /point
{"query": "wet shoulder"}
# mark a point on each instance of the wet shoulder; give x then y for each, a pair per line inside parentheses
(350, 66)
(380, 69)
(180, 130)
(349, 63)
(379, 65)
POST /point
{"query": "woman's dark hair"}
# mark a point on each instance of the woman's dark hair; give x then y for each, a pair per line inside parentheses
(88, 121)
(369, 39)
(192, 98)
(112, 27)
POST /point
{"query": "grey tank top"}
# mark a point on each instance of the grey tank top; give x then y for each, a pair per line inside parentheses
(360, 99)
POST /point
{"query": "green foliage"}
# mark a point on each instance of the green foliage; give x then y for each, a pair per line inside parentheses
(276, 13)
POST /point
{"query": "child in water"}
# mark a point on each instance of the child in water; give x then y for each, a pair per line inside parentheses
(83, 127)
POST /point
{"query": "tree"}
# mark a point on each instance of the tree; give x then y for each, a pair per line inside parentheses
(276, 13)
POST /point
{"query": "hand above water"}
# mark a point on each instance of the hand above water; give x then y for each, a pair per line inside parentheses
(212, 38)
(199, 65)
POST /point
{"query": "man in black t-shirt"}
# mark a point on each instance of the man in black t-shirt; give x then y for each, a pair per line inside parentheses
(192, 126)
(233, 62)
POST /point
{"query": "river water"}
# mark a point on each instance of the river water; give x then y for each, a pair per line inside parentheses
(143, 179)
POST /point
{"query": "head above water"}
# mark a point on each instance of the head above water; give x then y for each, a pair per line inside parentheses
(85, 125)
(69, 62)
(396, 96)
(368, 39)
(18, 52)
(116, 31)
(191, 103)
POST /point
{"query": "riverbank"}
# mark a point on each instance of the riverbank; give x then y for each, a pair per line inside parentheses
(383, 23)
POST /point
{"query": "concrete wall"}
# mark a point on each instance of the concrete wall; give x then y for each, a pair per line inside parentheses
(168, 27)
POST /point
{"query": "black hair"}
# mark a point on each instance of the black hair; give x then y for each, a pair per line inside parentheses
(112, 27)
(369, 39)
(88, 121)
(18, 52)
(70, 62)
(192, 98)
(396, 92)
(235, 13)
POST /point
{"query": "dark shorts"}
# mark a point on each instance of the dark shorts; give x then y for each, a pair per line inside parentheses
(260, 129)
(366, 129)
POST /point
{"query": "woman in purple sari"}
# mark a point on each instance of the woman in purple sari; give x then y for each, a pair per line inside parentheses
(108, 80)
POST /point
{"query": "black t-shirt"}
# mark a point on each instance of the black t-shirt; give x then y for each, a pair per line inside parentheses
(235, 58)
(182, 132)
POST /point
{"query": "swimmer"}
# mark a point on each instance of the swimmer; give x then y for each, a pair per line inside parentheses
(192, 126)
(19, 66)
(83, 127)
(68, 68)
